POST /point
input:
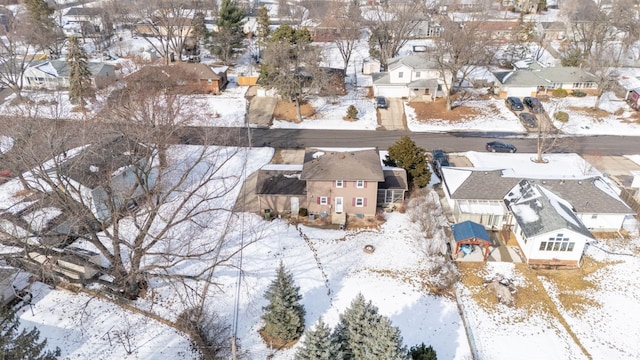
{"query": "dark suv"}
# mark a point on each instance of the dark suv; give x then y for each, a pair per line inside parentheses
(497, 146)
(440, 159)
(514, 103)
(381, 102)
(533, 104)
(528, 120)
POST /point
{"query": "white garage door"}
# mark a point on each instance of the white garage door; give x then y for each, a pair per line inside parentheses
(391, 91)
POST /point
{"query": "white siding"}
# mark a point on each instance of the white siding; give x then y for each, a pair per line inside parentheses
(519, 91)
(532, 248)
(394, 76)
(602, 222)
(391, 91)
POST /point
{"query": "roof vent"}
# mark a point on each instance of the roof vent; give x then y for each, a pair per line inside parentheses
(579, 182)
(341, 156)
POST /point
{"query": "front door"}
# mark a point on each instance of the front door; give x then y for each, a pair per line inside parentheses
(339, 205)
(295, 205)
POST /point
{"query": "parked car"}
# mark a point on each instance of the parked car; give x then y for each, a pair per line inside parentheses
(440, 159)
(528, 120)
(498, 146)
(514, 103)
(381, 102)
(533, 104)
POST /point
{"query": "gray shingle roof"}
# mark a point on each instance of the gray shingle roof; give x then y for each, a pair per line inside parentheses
(394, 178)
(280, 182)
(539, 211)
(590, 195)
(415, 62)
(543, 76)
(342, 165)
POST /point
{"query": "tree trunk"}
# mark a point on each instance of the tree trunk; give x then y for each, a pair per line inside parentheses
(298, 111)
(598, 98)
(448, 102)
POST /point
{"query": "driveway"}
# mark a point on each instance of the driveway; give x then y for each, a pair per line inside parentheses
(393, 117)
(261, 111)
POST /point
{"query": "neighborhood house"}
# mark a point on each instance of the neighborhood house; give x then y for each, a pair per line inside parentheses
(54, 74)
(331, 184)
(413, 77)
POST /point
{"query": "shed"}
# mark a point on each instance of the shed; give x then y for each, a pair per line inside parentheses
(468, 232)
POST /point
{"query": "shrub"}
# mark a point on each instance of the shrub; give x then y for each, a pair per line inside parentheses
(578, 93)
(561, 116)
(560, 92)
(303, 212)
(352, 112)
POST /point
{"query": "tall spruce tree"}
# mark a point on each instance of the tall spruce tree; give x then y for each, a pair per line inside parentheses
(364, 334)
(318, 345)
(422, 352)
(19, 345)
(284, 316)
(80, 88)
(228, 39)
(407, 155)
(264, 22)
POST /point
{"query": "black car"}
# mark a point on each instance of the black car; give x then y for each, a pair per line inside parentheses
(528, 120)
(498, 146)
(514, 103)
(533, 104)
(381, 102)
(440, 158)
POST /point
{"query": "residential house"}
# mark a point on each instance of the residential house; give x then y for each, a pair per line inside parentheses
(332, 184)
(414, 77)
(547, 229)
(54, 74)
(478, 195)
(85, 21)
(190, 78)
(499, 31)
(531, 79)
(553, 30)
(12, 282)
(521, 6)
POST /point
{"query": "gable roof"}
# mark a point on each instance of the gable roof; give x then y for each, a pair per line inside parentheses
(538, 210)
(326, 165)
(84, 11)
(538, 75)
(415, 62)
(60, 68)
(280, 181)
(469, 230)
(588, 195)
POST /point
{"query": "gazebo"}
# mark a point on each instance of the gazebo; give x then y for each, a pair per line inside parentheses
(470, 233)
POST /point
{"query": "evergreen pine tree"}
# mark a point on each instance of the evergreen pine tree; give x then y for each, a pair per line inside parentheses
(263, 21)
(364, 334)
(16, 345)
(318, 345)
(407, 155)
(422, 352)
(80, 87)
(228, 39)
(284, 315)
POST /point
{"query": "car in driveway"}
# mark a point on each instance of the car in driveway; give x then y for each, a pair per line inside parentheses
(514, 103)
(534, 105)
(382, 102)
(440, 159)
(528, 120)
(499, 146)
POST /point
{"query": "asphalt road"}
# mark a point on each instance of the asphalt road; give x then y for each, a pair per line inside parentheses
(450, 141)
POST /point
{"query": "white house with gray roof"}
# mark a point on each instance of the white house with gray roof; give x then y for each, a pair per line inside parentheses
(534, 78)
(413, 77)
(478, 195)
(546, 226)
(54, 74)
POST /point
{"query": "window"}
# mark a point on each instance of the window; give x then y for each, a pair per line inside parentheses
(417, 74)
(400, 74)
(360, 184)
(324, 200)
(557, 243)
(339, 183)
(359, 202)
(594, 216)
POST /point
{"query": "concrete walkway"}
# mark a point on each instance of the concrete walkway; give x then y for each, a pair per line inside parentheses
(393, 118)
(261, 111)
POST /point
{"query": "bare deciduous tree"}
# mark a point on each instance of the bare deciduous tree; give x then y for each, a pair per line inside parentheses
(348, 20)
(390, 28)
(460, 50)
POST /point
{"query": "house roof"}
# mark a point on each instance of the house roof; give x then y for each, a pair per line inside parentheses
(423, 84)
(326, 165)
(588, 195)
(60, 68)
(394, 178)
(537, 75)
(201, 71)
(90, 166)
(177, 72)
(280, 182)
(539, 210)
(468, 230)
(84, 11)
(415, 62)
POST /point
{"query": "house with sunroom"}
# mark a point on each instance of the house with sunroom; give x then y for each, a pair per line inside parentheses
(546, 226)
(413, 77)
(331, 184)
